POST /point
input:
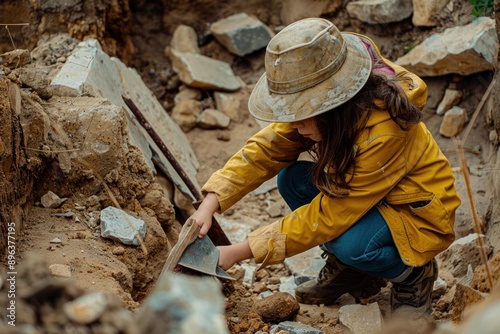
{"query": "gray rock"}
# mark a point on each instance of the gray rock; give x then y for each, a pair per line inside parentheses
(462, 50)
(361, 319)
(51, 200)
(380, 11)
(241, 34)
(115, 224)
(183, 304)
(296, 328)
(199, 71)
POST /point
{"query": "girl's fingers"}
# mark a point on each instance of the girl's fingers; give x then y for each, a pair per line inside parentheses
(204, 230)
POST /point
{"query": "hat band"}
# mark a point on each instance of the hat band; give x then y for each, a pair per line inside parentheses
(305, 82)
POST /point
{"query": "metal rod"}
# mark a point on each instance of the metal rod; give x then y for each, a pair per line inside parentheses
(215, 233)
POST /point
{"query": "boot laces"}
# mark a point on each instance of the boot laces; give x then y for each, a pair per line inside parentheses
(326, 273)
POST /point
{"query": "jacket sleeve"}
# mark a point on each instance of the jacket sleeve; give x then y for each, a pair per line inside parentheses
(380, 164)
(262, 157)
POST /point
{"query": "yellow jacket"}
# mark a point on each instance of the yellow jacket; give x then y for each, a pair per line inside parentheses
(394, 168)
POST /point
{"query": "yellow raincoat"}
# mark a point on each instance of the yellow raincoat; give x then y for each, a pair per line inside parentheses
(394, 168)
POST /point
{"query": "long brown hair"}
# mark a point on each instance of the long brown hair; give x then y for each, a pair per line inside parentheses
(340, 127)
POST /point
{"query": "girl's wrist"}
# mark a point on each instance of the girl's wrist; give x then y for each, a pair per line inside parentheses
(210, 203)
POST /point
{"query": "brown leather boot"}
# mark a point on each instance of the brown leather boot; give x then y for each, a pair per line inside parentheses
(412, 298)
(334, 280)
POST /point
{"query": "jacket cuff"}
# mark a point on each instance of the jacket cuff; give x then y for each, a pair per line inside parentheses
(268, 245)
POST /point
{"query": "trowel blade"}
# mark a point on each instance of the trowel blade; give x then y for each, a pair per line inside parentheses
(203, 256)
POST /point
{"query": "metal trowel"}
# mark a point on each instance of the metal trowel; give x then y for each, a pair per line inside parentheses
(202, 255)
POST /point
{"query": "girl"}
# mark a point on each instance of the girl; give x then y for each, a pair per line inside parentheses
(378, 197)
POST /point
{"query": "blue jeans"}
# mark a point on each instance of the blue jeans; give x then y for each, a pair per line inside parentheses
(367, 245)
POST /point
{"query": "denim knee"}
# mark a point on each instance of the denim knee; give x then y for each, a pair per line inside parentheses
(295, 184)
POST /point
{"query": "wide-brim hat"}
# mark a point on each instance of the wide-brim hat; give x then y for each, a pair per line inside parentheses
(311, 67)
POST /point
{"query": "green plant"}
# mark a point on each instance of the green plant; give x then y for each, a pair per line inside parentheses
(482, 7)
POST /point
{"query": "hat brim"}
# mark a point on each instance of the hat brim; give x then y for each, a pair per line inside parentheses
(332, 92)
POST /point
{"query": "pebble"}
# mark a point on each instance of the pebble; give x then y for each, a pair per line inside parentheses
(259, 287)
(55, 241)
(60, 270)
(118, 251)
(67, 214)
(87, 308)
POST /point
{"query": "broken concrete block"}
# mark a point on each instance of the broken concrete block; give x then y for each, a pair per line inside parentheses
(115, 224)
(241, 34)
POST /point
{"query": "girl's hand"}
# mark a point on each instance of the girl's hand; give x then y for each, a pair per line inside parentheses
(229, 255)
(205, 212)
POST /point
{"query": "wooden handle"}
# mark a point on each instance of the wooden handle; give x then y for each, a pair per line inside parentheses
(189, 233)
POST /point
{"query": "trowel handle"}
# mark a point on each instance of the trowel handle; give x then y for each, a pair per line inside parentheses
(188, 234)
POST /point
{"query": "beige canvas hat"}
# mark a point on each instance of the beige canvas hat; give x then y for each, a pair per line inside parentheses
(310, 68)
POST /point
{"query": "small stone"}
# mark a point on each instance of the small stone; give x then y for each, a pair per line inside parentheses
(87, 308)
(60, 270)
(51, 200)
(259, 287)
(224, 136)
(56, 240)
(278, 307)
(118, 251)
